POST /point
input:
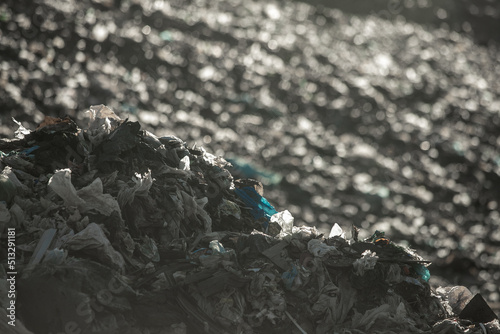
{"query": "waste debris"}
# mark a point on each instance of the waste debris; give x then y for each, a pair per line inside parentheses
(121, 231)
(374, 118)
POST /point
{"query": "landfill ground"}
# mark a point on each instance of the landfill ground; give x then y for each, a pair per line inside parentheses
(368, 120)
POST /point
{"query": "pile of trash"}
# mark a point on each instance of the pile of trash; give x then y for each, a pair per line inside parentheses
(121, 231)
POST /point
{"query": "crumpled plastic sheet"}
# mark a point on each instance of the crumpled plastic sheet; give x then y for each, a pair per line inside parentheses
(8, 173)
(336, 231)
(320, 249)
(87, 198)
(140, 187)
(367, 261)
(102, 122)
(93, 240)
(285, 220)
(21, 130)
(261, 208)
(229, 208)
(194, 209)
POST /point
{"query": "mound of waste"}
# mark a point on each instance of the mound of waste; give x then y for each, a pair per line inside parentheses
(120, 231)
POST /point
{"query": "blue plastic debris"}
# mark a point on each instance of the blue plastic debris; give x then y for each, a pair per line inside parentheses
(289, 276)
(261, 208)
(27, 152)
(413, 281)
(422, 271)
(217, 247)
(248, 170)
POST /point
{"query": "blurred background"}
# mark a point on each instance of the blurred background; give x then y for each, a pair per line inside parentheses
(382, 114)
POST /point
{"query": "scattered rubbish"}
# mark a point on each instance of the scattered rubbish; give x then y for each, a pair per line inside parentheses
(120, 229)
(93, 242)
(395, 127)
(337, 231)
(318, 248)
(285, 220)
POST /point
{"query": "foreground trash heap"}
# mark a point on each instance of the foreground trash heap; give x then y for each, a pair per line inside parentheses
(119, 231)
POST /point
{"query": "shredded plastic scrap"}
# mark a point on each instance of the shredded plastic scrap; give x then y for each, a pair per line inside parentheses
(120, 231)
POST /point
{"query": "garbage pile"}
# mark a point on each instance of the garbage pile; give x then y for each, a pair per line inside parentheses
(121, 231)
(372, 119)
